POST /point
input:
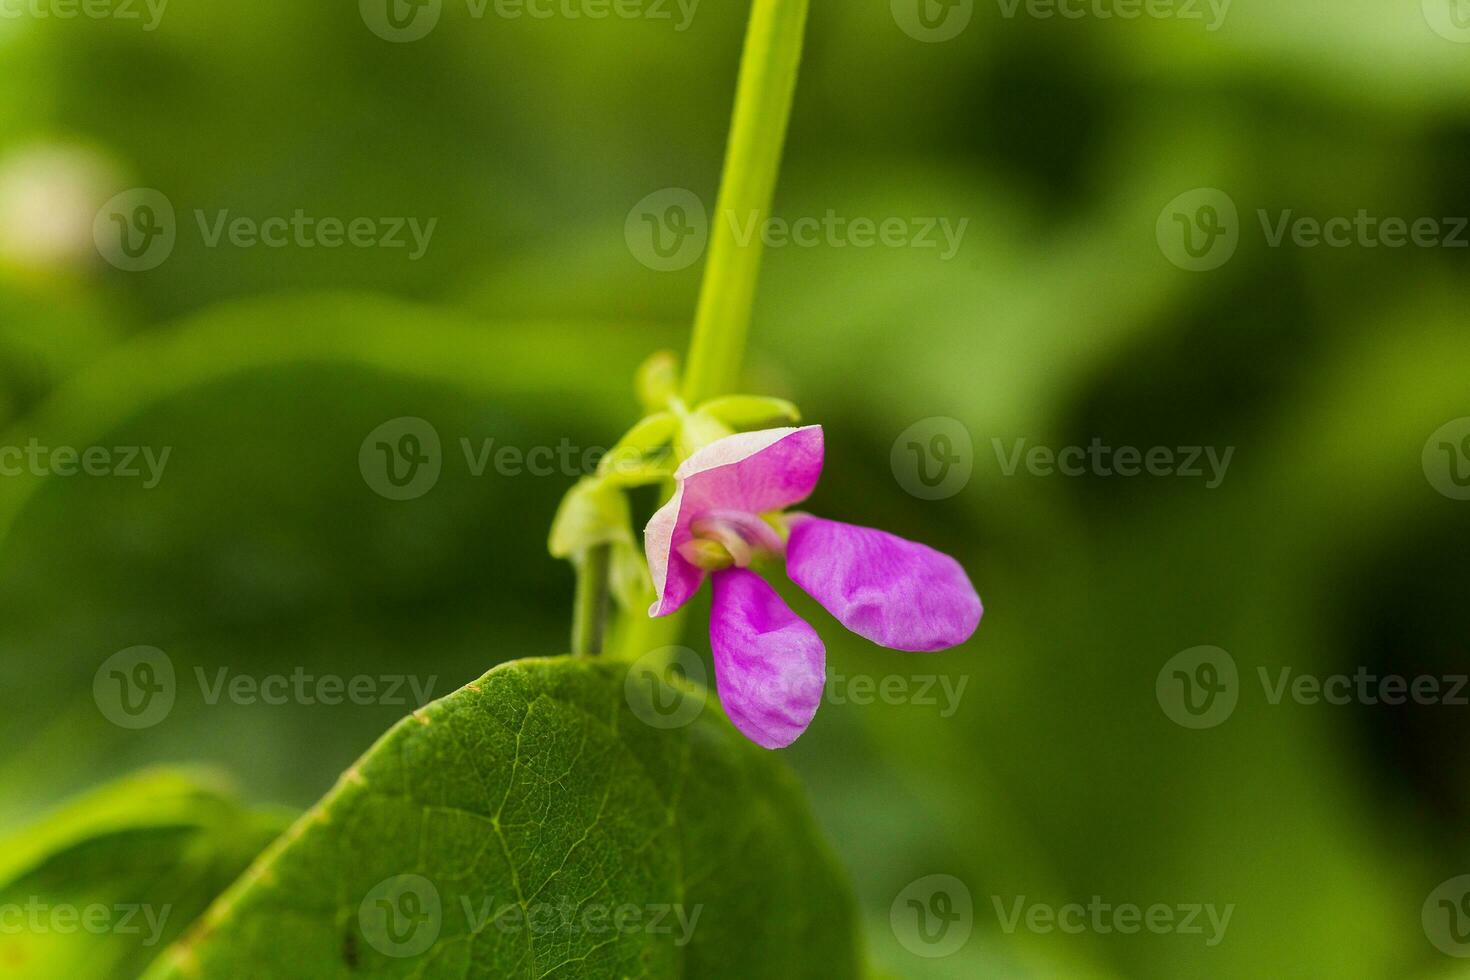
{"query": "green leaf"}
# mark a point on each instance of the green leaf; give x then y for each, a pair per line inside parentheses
(629, 459)
(593, 512)
(697, 430)
(751, 411)
(657, 380)
(103, 885)
(539, 795)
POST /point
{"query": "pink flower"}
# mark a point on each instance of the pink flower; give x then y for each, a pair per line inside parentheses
(770, 665)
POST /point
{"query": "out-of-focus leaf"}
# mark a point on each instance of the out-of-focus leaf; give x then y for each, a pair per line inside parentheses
(593, 512)
(266, 548)
(103, 885)
(751, 411)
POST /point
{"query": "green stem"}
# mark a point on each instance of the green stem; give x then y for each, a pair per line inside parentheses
(589, 609)
(752, 162)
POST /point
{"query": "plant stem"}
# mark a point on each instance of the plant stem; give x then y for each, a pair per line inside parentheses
(722, 319)
(752, 161)
(589, 609)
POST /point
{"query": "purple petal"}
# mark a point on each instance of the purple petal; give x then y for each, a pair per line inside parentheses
(751, 473)
(675, 579)
(897, 593)
(770, 666)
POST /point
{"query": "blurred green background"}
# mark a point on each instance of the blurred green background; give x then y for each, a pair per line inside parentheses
(1062, 318)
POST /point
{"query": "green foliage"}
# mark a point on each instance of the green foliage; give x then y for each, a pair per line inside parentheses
(751, 411)
(1056, 776)
(104, 884)
(502, 831)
